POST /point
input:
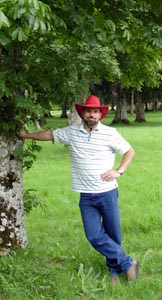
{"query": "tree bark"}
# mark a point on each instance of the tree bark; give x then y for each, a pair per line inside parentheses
(12, 227)
(73, 117)
(121, 105)
(132, 103)
(64, 110)
(140, 112)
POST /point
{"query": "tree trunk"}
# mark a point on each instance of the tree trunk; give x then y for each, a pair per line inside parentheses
(64, 110)
(132, 103)
(140, 112)
(124, 109)
(73, 117)
(154, 104)
(12, 228)
(121, 106)
(37, 125)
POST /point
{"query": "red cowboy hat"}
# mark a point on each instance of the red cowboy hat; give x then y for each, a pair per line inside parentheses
(92, 102)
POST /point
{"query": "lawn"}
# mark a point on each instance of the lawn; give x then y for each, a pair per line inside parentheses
(59, 263)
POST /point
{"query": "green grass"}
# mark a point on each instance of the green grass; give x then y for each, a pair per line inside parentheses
(59, 263)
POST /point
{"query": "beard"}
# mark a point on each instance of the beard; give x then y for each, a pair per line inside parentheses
(90, 123)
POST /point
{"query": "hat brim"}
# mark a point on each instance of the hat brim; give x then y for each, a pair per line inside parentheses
(104, 109)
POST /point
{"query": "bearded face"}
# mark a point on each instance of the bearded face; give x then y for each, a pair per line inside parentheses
(91, 116)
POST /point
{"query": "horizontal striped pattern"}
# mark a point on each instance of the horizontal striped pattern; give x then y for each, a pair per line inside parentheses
(91, 155)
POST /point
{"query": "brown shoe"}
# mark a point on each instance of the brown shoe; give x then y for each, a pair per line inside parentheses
(132, 273)
(114, 280)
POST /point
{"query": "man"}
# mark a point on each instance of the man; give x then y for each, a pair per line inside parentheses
(93, 146)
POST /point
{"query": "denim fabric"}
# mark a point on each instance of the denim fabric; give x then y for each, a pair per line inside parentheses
(101, 221)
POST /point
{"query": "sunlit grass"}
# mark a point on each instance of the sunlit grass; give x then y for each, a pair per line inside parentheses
(59, 263)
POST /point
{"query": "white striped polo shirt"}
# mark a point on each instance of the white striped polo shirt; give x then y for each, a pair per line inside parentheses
(92, 153)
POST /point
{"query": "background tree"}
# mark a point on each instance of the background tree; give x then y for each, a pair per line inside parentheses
(18, 21)
(137, 42)
(142, 50)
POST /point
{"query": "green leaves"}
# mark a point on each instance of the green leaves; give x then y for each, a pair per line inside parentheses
(19, 34)
(2, 87)
(20, 21)
(89, 41)
(4, 21)
(4, 40)
(20, 18)
(29, 154)
(31, 200)
(127, 34)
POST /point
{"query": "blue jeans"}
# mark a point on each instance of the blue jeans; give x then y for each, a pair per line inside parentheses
(101, 221)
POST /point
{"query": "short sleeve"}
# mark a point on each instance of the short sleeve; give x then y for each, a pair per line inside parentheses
(119, 144)
(62, 135)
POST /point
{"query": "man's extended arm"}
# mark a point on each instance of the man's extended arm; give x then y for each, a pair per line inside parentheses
(46, 135)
